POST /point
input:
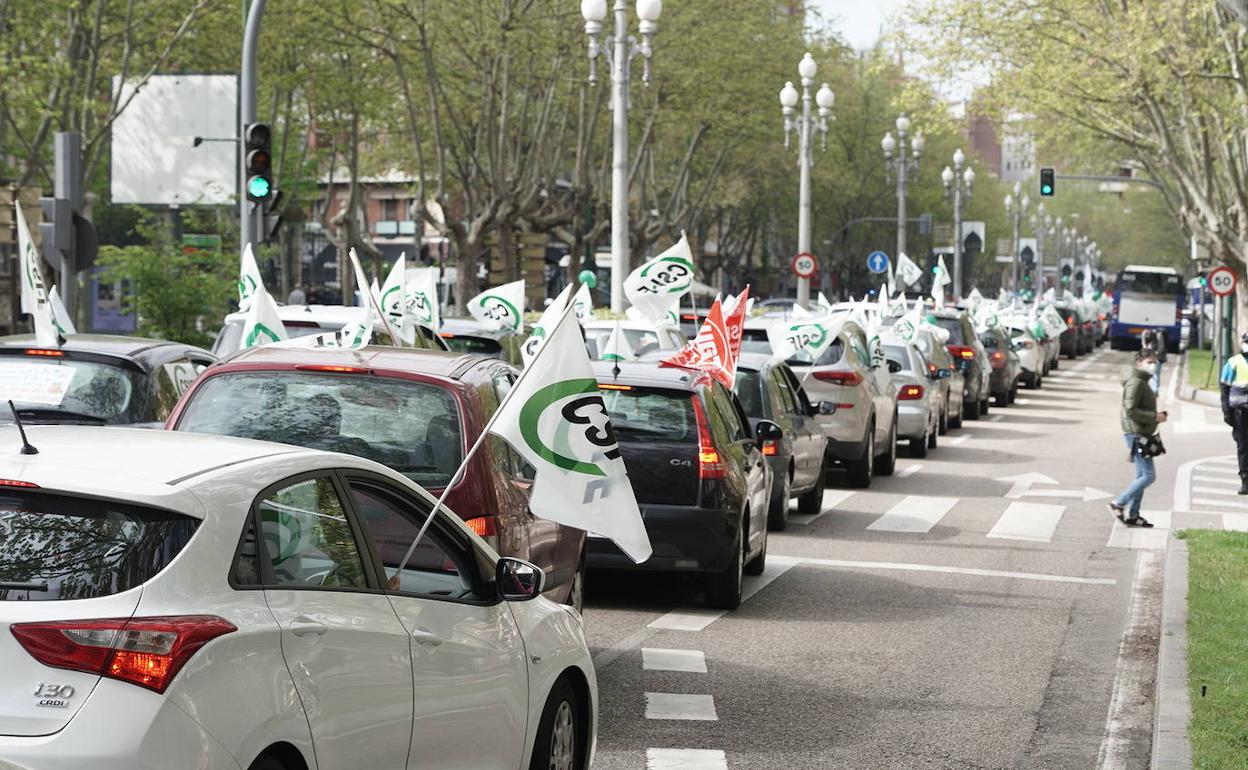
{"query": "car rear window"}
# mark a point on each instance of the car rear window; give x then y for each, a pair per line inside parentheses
(641, 414)
(831, 356)
(954, 327)
(898, 355)
(749, 391)
(755, 341)
(465, 344)
(69, 387)
(54, 547)
(412, 427)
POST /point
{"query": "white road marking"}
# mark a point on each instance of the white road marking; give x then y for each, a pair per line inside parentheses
(1142, 538)
(1219, 503)
(831, 499)
(914, 514)
(1000, 417)
(1217, 476)
(691, 708)
(1233, 490)
(1087, 494)
(1019, 401)
(1237, 522)
(908, 471)
(1228, 460)
(685, 759)
(698, 619)
(887, 565)
(1024, 482)
(959, 440)
(1133, 677)
(1035, 522)
(657, 659)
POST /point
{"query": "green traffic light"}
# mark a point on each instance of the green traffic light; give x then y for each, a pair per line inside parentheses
(1046, 189)
(258, 187)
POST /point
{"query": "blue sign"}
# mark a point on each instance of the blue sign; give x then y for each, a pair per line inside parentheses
(877, 262)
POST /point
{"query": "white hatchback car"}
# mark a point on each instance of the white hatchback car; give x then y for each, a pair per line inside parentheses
(170, 600)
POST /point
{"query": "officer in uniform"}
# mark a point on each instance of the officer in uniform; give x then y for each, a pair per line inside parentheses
(1234, 386)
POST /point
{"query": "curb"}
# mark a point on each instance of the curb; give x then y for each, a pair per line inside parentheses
(1192, 393)
(1172, 709)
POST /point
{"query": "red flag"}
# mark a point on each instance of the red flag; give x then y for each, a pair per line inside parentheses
(735, 326)
(710, 351)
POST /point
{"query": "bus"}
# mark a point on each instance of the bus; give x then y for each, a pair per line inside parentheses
(1146, 297)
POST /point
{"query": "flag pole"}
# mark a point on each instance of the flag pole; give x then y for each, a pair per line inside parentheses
(472, 450)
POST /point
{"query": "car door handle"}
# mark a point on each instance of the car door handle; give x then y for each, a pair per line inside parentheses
(427, 637)
(306, 626)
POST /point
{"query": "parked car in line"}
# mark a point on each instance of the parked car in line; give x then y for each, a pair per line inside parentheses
(468, 335)
(1004, 365)
(862, 430)
(952, 384)
(920, 395)
(1032, 353)
(1072, 340)
(698, 472)
(309, 320)
(206, 602)
(97, 379)
(964, 345)
(641, 336)
(768, 390)
(415, 411)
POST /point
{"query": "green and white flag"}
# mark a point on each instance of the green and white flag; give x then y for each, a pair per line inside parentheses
(907, 271)
(656, 287)
(556, 419)
(539, 332)
(368, 297)
(823, 305)
(616, 347)
(262, 325)
(501, 307)
(393, 301)
(353, 335)
(1053, 322)
(583, 303)
(808, 336)
(249, 279)
(60, 316)
(34, 295)
(907, 327)
(422, 297)
(941, 279)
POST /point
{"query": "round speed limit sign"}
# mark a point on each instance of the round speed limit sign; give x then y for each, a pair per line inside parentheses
(804, 265)
(1222, 281)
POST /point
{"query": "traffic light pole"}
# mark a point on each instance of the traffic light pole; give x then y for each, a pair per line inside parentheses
(249, 214)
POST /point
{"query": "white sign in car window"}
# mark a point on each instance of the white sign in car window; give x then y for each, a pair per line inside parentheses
(43, 384)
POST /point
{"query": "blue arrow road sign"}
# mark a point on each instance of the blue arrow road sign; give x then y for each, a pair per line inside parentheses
(877, 262)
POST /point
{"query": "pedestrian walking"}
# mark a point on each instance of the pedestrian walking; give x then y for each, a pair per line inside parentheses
(1234, 387)
(1155, 341)
(1140, 419)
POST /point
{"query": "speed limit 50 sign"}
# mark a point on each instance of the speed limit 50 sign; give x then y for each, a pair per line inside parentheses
(1222, 281)
(804, 265)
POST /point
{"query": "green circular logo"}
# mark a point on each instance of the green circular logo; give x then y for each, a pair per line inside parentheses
(566, 424)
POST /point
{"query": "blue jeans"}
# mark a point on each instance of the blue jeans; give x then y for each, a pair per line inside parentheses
(1144, 476)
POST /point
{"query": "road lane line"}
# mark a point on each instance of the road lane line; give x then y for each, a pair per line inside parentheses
(658, 659)
(1034, 522)
(908, 471)
(1233, 491)
(959, 440)
(1000, 417)
(914, 514)
(699, 619)
(831, 499)
(681, 706)
(685, 759)
(887, 565)
(1219, 503)
(1019, 401)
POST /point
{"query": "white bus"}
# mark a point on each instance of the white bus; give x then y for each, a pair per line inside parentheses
(1146, 297)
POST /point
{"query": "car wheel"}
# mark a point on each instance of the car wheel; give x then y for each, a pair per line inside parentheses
(860, 470)
(756, 565)
(723, 589)
(970, 410)
(1013, 394)
(931, 439)
(918, 447)
(983, 406)
(1057, 362)
(942, 426)
(887, 462)
(956, 421)
(1002, 399)
(267, 762)
(576, 593)
(812, 502)
(560, 736)
(778, 510)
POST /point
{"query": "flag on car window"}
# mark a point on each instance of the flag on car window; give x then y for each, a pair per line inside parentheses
(941, 279)
(262, 325)
(538, 334)
(392, 300)
(803, 338)
(60, 316)
(368, 298)
(501, 307)
(656, 287)
(822, 304)
(735, 325)
(555, 418)
(710, 351)
(34, 295)
(249, 279)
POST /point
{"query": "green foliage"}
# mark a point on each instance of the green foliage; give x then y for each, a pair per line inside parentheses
(172, 291)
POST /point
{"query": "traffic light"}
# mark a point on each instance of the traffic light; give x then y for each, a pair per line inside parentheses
(1066, 273)
(259, 159)
(1047, 182)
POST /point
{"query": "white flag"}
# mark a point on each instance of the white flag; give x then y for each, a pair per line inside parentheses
(422, 297)
(823, 304)
(369, 297)
(907, 271)
(34, 296)
(501, 307)
(656, 287)
(884, 306)
(262, 325)
(60, 316)
(811, 336)
(1050, 294)
(249, 279)
(584, 304)
(616, 347)
(354, 334)
(974, 298)
(541, 330)
(556, 420)
(393, 301)
(942, 278)
(907, 327)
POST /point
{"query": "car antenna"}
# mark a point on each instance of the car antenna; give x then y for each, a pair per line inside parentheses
(27, 447)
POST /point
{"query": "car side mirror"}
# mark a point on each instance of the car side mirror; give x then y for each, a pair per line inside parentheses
(893, 367)
(826, 408)
(767, 431)
(944, 374)
(517, 580)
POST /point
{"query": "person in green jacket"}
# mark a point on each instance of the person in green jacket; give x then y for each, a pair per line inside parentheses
(1140, 419)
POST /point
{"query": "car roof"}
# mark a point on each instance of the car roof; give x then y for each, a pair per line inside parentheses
(333, 314)
(626, 324)
(465, 327)
(107, 344)
(646, 374)
(755, 361)
(432, 362)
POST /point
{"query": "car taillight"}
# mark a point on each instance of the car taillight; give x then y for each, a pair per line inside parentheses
(710, 464)
(771, 448)
(148, 652)
(997, 359)
(16, 483)
(46, 353)
(484, 526)
(962, 351)
(839, 378)
(910, 393)
(1070, 321)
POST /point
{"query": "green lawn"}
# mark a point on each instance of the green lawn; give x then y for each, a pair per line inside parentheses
(1199, 363)
(1217, 627)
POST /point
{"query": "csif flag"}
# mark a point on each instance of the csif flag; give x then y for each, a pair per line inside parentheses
(262, 324)
(422, 297)
(710, 351)
(616, 348)
(735, 325)
(555, 418)
(368, 297)
(541, 330)
(907, 270)
(249, 279)
(808, 337)
(583, 303)
(500, 308)
(353, 335)
(34, 296)
(656, 287)
(393, 301)
(60, 316)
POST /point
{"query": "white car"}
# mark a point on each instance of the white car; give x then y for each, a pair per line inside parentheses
(170, 600)
(307, 320)
(641, 336)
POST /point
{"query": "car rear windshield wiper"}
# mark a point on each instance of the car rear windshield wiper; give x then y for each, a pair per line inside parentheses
(7, 586)
(59, 415)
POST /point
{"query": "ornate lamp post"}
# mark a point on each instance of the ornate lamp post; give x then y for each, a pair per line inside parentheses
(958, 186)
(805, 124)
(898, 166)
(1016, 205)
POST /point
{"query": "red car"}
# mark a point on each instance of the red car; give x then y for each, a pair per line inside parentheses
(416, 411)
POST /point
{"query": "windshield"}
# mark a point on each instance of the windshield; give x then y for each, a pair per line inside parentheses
(954, 327)
(897, 354)
(1150, 283)
(411, 427)
(73, 387)
(649, 415)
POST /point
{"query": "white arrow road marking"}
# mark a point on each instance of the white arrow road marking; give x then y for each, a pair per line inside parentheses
(656, 659)
(685, 759)
(914, 514)
(1086, 494)
(670, 705)
(1035, 522)
(1023, 482)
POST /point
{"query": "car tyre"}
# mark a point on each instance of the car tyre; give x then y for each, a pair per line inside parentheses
(1013, 395)
(778, 510)
(560, 740)
(756, 565)
(576, 593)
(983, 406)
(1001, 399)
(942, 426)
(886, 463)
(723, 589)
(1057, 362)
(918, 447)
(931, 439)
(970, 411)
(861, 470)
(956, 422)
(812, 502)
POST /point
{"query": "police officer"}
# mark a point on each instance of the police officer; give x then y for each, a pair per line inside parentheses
(1234, 382)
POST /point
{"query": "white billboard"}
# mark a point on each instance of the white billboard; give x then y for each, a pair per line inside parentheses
(154, 160)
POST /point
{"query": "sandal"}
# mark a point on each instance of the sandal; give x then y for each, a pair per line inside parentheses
(1137, 521)
(1116, 509)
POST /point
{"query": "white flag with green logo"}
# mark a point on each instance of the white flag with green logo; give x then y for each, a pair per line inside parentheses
(368, 297)
(501, 307)
(555, 418)
(354, 334)
(262, 325)
(907, 271)
(422, 297)
(907, 327)
(617, 347)
(34, 295)
(656, 287)
(393, 301)
(941, 279)
(60, 316)
(805, 338)
(249, 279)
(538, 334)
(584, 304)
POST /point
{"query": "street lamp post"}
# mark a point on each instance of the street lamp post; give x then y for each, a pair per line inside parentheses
(805, 126)
(1017, 205)
(899, 166)
(618, 57)
(958, 186)
(1041, 225)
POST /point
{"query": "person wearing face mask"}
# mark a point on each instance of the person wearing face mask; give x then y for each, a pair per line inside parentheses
(1234, 387)
(1140, 419)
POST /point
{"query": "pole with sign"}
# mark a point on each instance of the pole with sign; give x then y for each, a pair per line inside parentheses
(804, 266)
(1222, 285)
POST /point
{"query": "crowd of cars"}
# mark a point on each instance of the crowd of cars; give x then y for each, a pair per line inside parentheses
(238, 590)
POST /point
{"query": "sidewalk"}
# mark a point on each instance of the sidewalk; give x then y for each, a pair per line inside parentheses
(1172, 710)
(1191, 392)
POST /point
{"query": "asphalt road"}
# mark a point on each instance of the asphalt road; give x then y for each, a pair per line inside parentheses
(961, 614)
